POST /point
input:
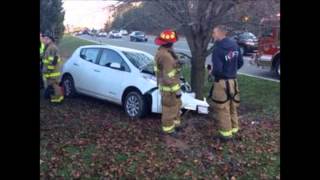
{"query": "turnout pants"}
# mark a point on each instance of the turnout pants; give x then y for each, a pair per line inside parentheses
(170, 111)
(57, 97)
(225, 99)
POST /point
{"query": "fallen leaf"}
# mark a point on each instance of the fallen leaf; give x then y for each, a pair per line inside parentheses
(188, 173)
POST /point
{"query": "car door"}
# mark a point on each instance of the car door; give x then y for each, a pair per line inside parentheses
(108, 80)
(85, 67)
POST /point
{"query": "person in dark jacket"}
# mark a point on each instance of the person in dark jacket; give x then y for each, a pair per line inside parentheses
(226, 60)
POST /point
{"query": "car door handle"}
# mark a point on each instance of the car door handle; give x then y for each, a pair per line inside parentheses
(96, 70)
(75, 64)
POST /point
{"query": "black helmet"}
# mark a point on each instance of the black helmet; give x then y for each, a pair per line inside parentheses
(49, 35)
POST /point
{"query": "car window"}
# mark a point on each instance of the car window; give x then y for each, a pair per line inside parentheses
(139, 60)
(109, 56)
(139, 33)
(89, 54)
(247, 36)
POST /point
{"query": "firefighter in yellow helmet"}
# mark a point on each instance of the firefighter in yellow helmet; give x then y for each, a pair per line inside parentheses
(167, 70)
(51, 68)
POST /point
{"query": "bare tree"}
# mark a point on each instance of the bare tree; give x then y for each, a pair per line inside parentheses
(196, 19)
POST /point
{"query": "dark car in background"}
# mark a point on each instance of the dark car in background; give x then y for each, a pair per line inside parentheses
(138, 36)
(247, 41)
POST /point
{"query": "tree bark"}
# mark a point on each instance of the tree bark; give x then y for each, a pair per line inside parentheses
(195, 38)
(197, 74)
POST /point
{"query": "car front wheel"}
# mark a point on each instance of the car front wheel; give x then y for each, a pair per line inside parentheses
(242, 50)
(135, 105)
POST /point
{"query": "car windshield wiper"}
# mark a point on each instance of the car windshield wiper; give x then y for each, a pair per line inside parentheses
(144, 66)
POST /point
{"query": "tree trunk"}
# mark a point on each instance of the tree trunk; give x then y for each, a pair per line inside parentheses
(197, 74)
(198, 53)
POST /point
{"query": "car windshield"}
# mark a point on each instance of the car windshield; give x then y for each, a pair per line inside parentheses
(139, 33)
(248, 36)
(140, 60)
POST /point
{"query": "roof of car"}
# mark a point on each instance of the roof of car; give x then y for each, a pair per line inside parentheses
(112, 47)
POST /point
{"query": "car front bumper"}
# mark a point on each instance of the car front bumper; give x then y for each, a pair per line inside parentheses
(140, 39)
(189, 102)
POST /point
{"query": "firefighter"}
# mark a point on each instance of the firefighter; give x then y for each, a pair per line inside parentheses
(51, 68)
(42, 49)
(226, 60)
(167, 70)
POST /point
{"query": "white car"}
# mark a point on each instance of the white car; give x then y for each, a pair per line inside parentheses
(102, 34)
(120, 75)
(124, 32)
(115, 34)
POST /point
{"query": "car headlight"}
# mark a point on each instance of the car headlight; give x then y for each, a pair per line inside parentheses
(152, 78)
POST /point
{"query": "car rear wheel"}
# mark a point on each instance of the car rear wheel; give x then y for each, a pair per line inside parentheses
(277, 68)
(68, 86)
(135, 105)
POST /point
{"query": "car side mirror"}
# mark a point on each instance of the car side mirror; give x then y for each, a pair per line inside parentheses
(115, 65)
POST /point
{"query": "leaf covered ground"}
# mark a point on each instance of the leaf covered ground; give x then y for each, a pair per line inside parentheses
(86, 138)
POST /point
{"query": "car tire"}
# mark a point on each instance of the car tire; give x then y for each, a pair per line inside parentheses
(130, 38)
(277, 68)
(135, 105)
(69, 89)
(242, 50)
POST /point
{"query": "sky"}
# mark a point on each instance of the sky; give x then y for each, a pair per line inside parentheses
(86, 13)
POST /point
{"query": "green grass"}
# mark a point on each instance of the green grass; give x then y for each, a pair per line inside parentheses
(260, 97)
(68, 44)
(120, 157)
(87, 154)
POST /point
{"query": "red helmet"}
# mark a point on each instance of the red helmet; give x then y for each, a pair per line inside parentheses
(166, 36)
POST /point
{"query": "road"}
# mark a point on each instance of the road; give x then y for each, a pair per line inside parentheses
(180, 46)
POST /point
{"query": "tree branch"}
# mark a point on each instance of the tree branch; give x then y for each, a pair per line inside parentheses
(162, 4)
(209, 51)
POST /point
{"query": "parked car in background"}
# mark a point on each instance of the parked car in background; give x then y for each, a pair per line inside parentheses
(115, 34)
(138, 36)
(85, 32)
(102, 34)
(93, 32)
(77, 33)
(123, 76)
(124, 32)
(247, 41)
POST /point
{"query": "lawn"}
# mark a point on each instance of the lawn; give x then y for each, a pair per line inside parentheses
(85, 138)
